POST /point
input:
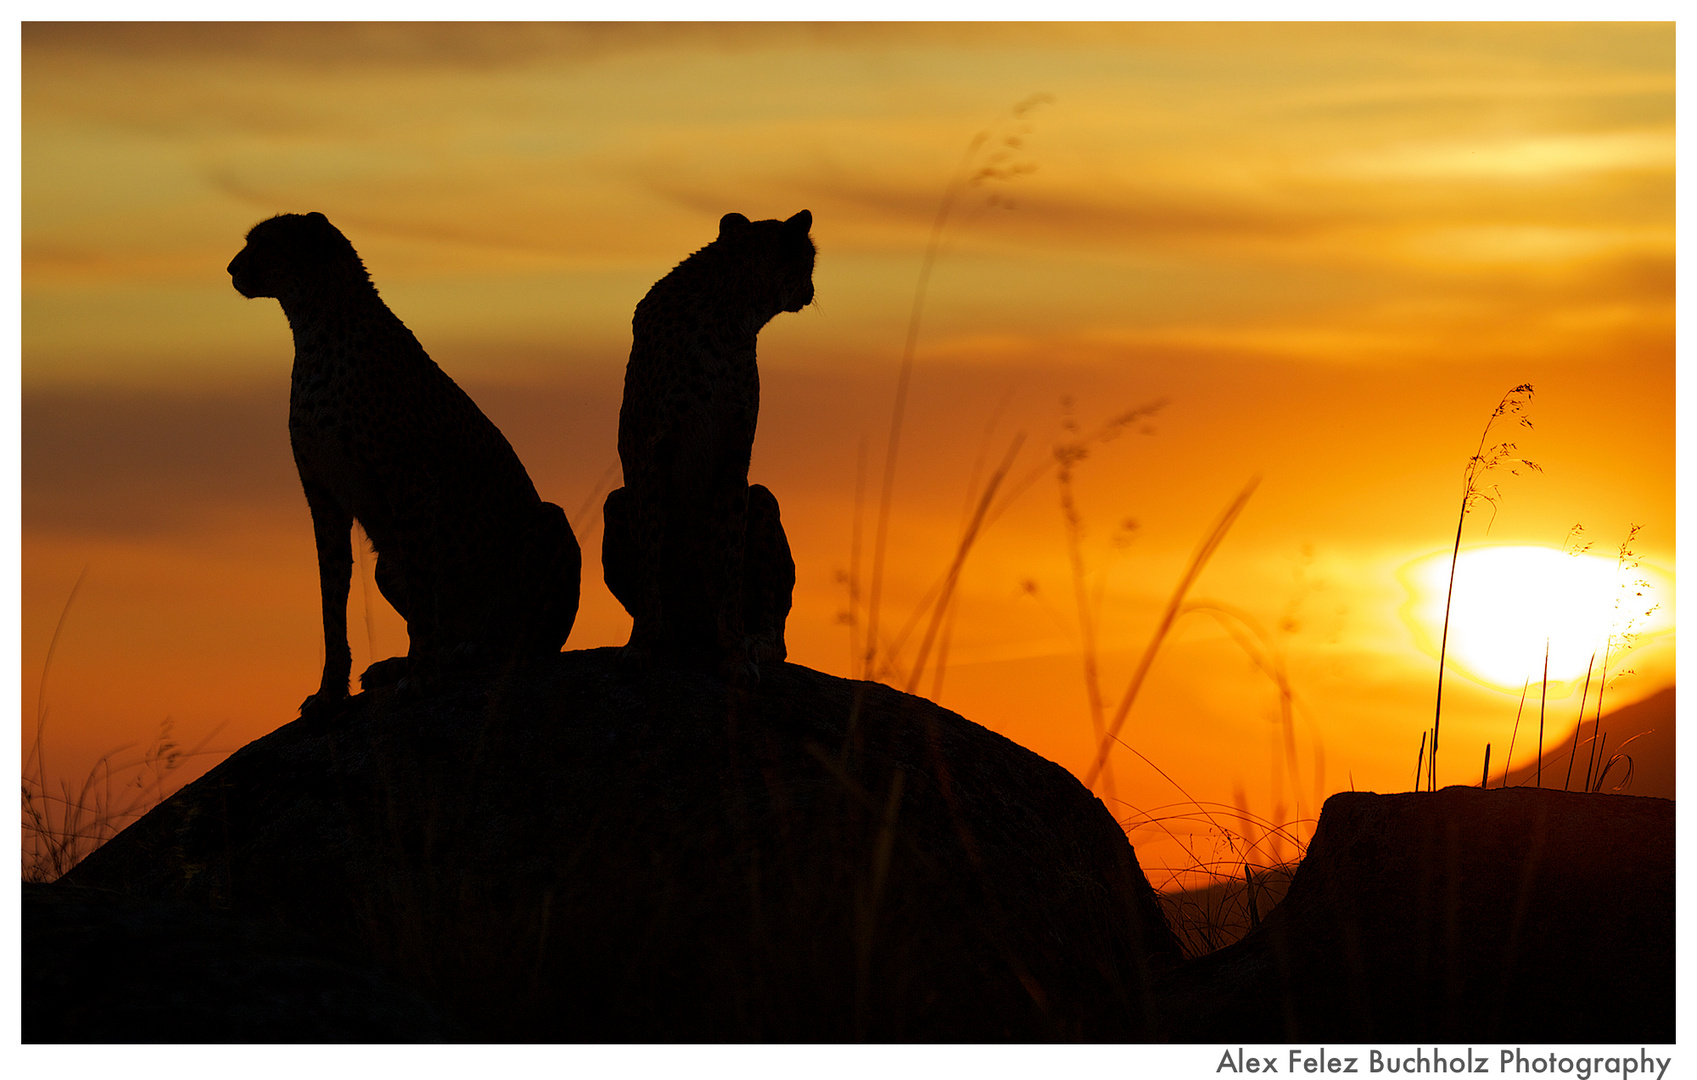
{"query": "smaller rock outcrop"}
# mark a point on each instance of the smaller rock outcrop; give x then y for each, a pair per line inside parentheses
(1464, 915)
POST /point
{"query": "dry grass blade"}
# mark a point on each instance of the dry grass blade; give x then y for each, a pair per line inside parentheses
(36, 760)
(591, 502)
(1584, 694)
(1176, 786)
(1622, 639)
(1007, 494)
(1509, 759)
(61, 830)
(952, 578)
(1204, 552)
(1473, 490)
(1543, 696)
(965, 177)
(852, 578)
(1270, 660)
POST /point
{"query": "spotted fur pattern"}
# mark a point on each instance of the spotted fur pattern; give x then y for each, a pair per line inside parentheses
(677, 533)
(480, 567)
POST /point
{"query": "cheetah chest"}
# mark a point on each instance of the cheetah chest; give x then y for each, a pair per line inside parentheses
(332, 432)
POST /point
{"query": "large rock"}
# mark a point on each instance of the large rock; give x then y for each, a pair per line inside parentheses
(1504, 915)
(580, 854)
(99, 968)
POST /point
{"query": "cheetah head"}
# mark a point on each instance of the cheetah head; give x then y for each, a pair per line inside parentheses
(291, 254)
(778, 256)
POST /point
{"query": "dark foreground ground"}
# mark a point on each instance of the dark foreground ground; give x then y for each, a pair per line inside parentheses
(579, 855)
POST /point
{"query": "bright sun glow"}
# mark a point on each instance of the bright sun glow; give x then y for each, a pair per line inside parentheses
(1510, 600)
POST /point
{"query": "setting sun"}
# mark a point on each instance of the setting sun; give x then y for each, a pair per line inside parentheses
(1510, 600)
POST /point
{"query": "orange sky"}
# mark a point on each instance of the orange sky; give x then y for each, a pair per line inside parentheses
(1329, 249)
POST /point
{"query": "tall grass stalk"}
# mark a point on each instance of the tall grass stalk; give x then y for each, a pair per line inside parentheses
(1198, 560)
(1543, 695)
(1066, 458)
(1584, 694)
(968, 510)
(852, 578)
(887, 653)
(592, 502)
(61, 829)
(37, 757)
(1432, 765)
(1473, 490)
(1613, 760)
(1203, 924)
(1214, 916)
(1258, 645)
(970, 173)
(952, 578)
(1509, 760)
(1621, 639)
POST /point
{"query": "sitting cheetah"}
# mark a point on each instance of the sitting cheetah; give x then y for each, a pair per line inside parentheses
(673, 551)
(480, 567)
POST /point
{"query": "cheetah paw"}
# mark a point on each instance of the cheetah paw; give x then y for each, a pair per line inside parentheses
(321, 706)
(383, 673)
(740, 674)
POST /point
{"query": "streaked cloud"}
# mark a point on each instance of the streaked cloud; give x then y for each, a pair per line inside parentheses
(1547, 157)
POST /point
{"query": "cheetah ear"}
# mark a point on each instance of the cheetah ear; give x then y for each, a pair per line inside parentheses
(324, 240)
(801, 223)
(731, 222)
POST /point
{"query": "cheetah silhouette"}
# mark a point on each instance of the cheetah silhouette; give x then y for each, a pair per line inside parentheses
(482, 570)
(696, 555)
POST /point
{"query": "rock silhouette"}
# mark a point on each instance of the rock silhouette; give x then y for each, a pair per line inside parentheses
(567, 855)
(1465, 915)
(103, 968)
(483, 570)
(678, 546)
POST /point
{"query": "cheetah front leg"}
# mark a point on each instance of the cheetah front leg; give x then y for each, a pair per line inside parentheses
(332, 527)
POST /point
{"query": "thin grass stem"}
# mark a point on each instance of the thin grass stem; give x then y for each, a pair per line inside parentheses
(1543, 695)
(1573, 751)
(1509, 760)
(961, 552)
(1203, 553)
(1481, 462)
(904, 376)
